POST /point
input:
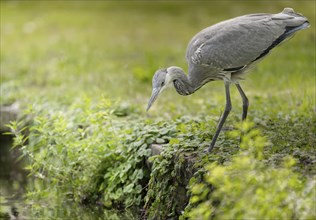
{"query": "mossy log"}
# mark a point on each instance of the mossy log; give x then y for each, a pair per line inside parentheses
(184, 174)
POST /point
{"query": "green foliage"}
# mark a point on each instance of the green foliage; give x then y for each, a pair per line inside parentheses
(91, 155)
(122, 174)
(96, 151)
(248, 188)
(80, 151)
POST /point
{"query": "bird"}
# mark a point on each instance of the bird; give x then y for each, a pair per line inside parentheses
(224, 52)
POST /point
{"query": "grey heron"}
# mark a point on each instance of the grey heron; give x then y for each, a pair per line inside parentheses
(224, 52)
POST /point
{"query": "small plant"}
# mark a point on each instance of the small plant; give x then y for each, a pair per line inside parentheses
(248, 188)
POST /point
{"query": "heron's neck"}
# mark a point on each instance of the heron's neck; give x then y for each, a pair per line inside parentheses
(180, 80)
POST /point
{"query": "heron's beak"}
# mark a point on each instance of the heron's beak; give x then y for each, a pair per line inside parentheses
(153, 97)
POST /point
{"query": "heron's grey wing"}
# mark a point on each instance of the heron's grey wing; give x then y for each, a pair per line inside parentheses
(235, 43)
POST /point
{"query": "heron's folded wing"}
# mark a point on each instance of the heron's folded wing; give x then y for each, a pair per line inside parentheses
(237, 43)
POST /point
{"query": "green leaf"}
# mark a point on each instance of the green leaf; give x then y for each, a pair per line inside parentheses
(129, 188)
(174, 141)
(160, 141)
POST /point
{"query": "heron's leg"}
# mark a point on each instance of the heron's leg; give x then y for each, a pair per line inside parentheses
(228, 108)
(245, 102)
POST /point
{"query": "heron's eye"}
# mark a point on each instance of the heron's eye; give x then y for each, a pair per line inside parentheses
(163, 83)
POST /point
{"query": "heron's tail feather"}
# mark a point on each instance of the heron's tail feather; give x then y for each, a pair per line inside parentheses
(292, 30)
(291, 19)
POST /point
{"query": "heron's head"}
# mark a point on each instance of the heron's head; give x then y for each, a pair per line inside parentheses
(161, 81)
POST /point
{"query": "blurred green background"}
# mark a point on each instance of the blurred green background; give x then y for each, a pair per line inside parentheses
(60, 56)
(63, 50)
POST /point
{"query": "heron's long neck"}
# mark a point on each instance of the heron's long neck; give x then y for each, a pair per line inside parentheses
(180, 80)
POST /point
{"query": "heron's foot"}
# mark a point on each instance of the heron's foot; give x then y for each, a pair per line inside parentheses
(209, 149)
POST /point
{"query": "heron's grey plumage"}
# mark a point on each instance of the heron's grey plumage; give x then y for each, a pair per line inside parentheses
(225, 51)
